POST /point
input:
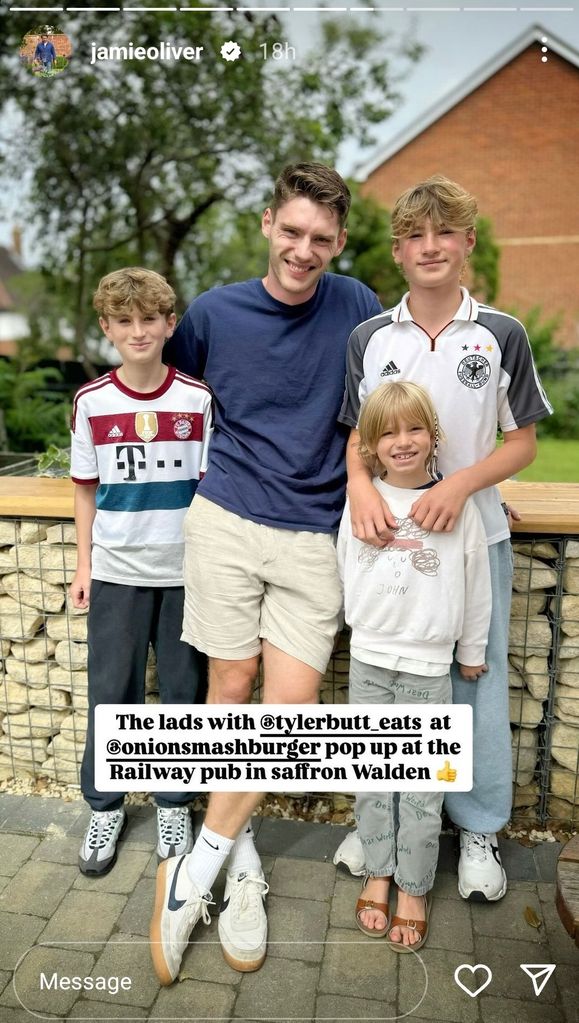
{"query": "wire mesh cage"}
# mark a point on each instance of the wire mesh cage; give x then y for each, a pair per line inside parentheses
(44, 686)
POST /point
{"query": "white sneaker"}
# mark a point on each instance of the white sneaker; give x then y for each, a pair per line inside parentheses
(174, 831)
(481, 876)
(178, 907)
(351, 854)
(242, 920)
(98, 852)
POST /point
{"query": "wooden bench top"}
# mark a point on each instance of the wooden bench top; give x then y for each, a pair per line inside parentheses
(545, 507)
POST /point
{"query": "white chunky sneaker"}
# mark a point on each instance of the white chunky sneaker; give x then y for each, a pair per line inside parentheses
(98, 851)
(351, 854)
(481, 876)
(242, 920)
(178, 907)
(174, 831)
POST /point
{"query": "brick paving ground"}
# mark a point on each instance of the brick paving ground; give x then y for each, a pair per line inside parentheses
(319, 966)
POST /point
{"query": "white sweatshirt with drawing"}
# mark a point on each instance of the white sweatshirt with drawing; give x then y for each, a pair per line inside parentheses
(417, 597)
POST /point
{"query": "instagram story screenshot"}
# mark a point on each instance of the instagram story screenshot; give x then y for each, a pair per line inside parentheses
(215, 223)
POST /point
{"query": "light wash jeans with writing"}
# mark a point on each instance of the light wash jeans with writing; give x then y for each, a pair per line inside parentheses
(407, 848)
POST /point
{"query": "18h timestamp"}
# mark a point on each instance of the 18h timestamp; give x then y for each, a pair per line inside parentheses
(278, 51)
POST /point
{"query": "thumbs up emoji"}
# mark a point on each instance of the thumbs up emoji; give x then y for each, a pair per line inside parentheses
(447, 773)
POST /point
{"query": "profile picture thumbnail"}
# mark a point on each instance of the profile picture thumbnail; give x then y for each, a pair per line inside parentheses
(45, 51)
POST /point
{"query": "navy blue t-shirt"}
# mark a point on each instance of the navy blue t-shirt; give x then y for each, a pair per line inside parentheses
(277, 372)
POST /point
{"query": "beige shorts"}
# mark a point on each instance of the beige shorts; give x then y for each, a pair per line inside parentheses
(245, 582)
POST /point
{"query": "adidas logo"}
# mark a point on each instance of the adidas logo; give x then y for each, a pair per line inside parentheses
(390, 370)
(115, 432)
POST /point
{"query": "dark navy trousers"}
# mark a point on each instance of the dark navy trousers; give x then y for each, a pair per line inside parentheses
(122, 621)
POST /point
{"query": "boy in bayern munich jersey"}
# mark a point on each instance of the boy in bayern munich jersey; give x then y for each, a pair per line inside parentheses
(140, 435)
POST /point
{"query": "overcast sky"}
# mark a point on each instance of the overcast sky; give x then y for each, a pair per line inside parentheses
(457, 41)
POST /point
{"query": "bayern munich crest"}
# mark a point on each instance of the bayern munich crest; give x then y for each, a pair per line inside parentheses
(474, 371)
(182, 429)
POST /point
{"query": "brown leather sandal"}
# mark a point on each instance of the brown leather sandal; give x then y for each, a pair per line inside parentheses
(382, 907)
(421, 926)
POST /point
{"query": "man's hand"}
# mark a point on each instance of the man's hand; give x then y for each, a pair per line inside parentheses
(472, 673)
(372, 520)
(79, 589)
(440, 506)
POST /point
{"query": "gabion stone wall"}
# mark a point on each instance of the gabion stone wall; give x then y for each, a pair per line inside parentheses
(43, 656)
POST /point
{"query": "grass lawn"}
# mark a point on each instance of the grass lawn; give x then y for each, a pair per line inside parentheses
(557, 461)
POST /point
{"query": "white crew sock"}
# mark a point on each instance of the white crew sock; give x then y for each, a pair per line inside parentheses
(207, 858)
(244, 855)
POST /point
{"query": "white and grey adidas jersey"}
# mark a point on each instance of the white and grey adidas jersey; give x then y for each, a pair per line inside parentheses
(478, 369)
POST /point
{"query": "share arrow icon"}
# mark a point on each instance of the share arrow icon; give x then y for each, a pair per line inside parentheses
(539, 974)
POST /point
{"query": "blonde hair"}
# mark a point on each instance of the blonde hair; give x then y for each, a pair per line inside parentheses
(121, 291)
(384, 410)
(442, 201)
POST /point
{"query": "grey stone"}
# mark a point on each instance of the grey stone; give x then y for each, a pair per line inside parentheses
(446, 887)
(297, 928)
(511, 1010)
(567, 981)
(5, 976)
(546, 855)
(36, 815)
(9, 807)
(563, 948)
(152, 866)
(106, 1011)
(331, 1007)
(507, 917)
(346, 894)
(450, 926)
(86, 916)
(297, 839)
(142, 830)
(14, 851)
(122, 878)
(21, 1016)
(17, 934)
(37, 888)
(518, 861)
(203, 958)
(288, 877)
(504, 957)
(127, 956)
(353, 965)
(66, 963)
(191, 1000)
(279, 986)
(441, 999)
(57, 850)
(136, 915)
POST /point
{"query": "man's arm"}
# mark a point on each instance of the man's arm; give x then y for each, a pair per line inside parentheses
(372, 520)
(439, 507)
(84, 515)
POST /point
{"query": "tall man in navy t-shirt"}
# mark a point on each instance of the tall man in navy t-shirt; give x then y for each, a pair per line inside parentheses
(260, 566)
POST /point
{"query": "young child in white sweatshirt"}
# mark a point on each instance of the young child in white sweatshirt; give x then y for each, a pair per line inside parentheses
(408, 604)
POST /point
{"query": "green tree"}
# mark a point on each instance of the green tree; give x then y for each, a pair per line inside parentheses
(34, 414)
(130, 158)
(559, 372)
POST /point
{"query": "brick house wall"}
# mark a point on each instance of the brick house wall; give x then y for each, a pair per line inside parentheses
(60, 41)
(513, 142)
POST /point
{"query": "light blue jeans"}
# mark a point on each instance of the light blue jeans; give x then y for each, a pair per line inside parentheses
(406, 848)
(487, 807)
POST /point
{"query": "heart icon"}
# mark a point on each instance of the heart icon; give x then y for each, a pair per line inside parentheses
(473, 969)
